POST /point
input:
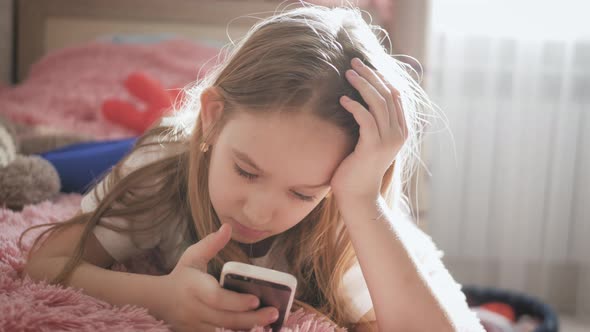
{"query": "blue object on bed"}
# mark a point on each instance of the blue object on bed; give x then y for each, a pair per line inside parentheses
(79, 165)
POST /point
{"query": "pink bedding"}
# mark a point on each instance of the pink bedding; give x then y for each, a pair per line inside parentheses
(67, 87)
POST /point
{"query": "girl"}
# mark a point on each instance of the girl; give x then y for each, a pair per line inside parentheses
(291, 154)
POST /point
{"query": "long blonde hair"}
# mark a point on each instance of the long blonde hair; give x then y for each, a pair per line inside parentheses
(293, 60)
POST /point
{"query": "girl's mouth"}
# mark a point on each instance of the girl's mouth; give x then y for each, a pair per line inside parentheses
(246, 231)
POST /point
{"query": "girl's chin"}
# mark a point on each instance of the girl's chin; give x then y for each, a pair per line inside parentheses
(244, 240)
(256, 249)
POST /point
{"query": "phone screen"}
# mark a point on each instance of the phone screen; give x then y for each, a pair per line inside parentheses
(269, 293)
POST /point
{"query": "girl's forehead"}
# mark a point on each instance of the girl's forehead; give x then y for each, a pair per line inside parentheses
(287, 142)
(286, 128)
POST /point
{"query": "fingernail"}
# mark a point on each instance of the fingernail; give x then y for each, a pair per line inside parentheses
(274, 316)
(351, 73)
(219, 229)
(345, 99)
(254, 303)
(357, 62)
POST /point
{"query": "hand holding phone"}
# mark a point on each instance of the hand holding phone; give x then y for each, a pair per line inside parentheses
(272, 287)
(190, 299)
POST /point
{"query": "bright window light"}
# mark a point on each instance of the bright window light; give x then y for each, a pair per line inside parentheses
(522, 19)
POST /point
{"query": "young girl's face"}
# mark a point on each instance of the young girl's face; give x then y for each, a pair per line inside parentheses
(267, 172)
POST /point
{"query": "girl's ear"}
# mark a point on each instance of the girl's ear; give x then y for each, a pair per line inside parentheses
(211, 108)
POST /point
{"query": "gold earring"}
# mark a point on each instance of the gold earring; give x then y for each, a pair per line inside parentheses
(204, 147)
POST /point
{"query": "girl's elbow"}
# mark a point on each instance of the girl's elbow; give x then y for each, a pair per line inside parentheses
(32, 270)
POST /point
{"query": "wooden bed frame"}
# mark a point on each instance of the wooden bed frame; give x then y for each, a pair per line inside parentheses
(43, 26)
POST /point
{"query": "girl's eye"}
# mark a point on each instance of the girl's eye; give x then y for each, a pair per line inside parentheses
(303, 197)
(244, 174)
(251, 176)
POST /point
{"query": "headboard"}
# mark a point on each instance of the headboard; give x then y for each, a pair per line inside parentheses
(47, 25)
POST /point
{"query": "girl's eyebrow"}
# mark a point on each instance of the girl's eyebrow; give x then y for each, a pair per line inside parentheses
(244, 157)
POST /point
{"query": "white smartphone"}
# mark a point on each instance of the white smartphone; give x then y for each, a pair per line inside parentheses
(273, 288)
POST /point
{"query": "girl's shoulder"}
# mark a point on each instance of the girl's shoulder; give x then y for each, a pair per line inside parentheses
(151, 149)
(147, 150)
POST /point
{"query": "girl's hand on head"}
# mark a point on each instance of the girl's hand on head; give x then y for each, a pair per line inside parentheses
(192, 300)
(383, 132)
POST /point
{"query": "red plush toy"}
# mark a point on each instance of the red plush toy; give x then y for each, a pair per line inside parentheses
(158, 99)
(502, 309)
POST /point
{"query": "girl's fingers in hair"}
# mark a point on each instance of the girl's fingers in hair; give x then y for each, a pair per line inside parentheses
(373, 91)
(223, 299)
(378, 82)
(368, 131)
(370, 96)
(397, 118)
(241, 320)
(402, 118)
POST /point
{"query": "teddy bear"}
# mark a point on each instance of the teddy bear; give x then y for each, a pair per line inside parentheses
(26, 178)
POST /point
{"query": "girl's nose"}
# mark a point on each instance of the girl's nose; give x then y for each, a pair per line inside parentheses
(258, 209)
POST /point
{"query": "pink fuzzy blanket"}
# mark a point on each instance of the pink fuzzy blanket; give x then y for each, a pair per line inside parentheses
(65, 89)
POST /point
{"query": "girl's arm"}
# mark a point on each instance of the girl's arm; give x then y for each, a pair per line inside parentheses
(406, 296)
(91, 275)
(118, 288)
(410, 287)
(188, 298)
(402, 300)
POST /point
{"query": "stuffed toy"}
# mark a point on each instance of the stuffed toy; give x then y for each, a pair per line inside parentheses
(28, 179)
(158, 101)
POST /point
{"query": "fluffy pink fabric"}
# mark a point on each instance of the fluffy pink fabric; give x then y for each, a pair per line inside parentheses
(30, 306)
(66, 89)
